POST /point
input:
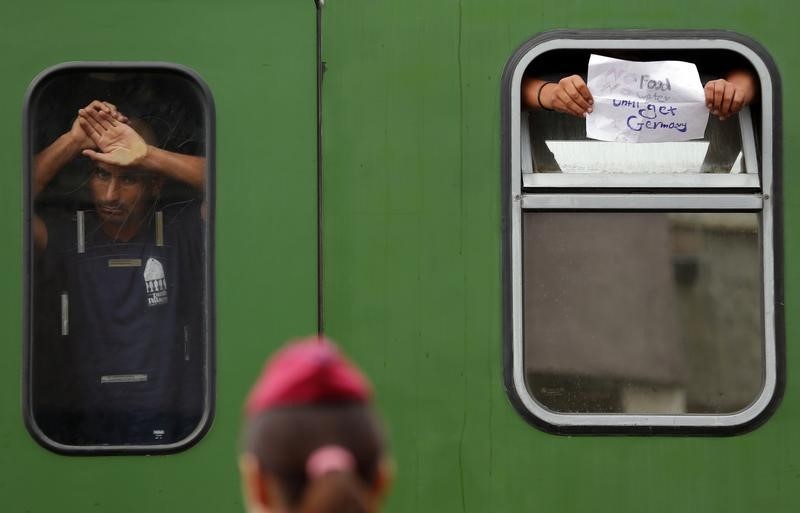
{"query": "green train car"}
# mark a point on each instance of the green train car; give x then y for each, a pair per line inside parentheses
(551, 323)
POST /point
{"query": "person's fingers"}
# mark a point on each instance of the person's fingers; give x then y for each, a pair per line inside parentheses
(727, 99)
(719, 92)
(709, 92)
(108, 118)
(98, 157)
(111, 109)
(575, 95)
(98, 122)
(89, 126)
(582, 88)
(115, 113)
(738, 101)
(568, 106)
(577, 82)
(97, 105)
(559, 105)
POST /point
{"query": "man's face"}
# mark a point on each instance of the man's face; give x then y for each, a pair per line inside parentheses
(121, 197)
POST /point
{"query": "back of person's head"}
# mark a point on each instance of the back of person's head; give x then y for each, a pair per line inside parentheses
(312, 442)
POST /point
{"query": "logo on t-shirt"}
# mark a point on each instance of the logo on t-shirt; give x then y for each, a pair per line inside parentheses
(155, 282)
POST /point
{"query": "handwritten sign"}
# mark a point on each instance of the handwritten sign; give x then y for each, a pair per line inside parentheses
(655, 101)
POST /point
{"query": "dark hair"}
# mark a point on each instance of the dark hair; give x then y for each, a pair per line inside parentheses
(282, 439)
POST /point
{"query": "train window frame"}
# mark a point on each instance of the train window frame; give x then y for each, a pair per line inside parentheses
(208, 321)
(523, 192)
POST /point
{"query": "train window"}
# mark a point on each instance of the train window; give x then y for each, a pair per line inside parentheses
(642, 279)
(659, 315)
(118, 328)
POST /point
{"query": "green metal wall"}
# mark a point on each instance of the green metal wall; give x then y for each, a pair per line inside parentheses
(258, 59)
(412, 249)
(412, 267)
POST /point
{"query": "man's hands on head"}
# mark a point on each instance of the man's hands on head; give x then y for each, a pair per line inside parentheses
(69, 145)
(115, 142)
(80, 137)
(119, 144)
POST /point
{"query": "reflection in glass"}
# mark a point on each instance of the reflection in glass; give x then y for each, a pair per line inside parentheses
(118, 349)
(559, 145)
(643, 313)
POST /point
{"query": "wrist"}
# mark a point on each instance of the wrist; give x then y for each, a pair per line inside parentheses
(72, 144)
(539, 96)
(148, 158)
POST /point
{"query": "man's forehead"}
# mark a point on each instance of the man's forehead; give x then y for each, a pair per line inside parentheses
(117, 171)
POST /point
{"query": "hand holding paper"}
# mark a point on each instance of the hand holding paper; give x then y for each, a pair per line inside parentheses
(726, 96)
(569, 95)
(645, 101)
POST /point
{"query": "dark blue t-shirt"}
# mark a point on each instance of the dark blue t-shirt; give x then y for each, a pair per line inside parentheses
(129, 334)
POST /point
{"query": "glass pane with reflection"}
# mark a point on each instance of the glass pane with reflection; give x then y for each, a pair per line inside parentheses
(643, 313)
(118, 353)
(559, 145)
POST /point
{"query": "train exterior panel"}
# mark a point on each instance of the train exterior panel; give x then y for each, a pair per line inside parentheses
(411, 260)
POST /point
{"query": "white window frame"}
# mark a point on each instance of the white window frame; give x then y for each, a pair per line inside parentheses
(529, 191)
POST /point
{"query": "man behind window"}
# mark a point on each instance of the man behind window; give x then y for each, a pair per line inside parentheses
(124, 277)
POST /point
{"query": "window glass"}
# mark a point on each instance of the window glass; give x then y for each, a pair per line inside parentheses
(119, 238)
(557, 145)
(560, 146)
(647, 313)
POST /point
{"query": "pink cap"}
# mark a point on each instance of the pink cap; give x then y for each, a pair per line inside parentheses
(308, 371)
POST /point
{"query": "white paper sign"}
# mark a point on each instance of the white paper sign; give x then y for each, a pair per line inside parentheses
(645, 101)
